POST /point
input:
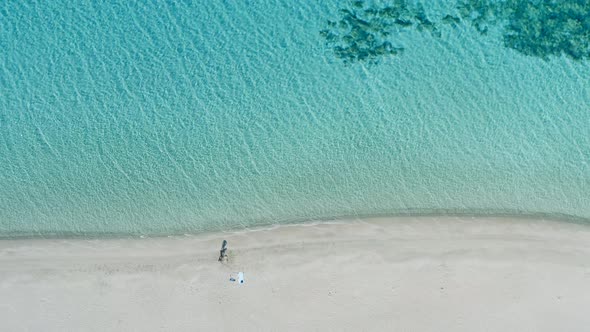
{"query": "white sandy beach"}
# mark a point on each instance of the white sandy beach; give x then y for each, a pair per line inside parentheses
(403, 274)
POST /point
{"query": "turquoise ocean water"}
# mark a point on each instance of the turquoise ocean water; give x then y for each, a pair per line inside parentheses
(163, 117)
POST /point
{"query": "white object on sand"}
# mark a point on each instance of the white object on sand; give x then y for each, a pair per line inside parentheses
(241, 277)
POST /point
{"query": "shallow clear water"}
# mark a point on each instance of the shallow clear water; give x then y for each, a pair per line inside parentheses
(184, 116)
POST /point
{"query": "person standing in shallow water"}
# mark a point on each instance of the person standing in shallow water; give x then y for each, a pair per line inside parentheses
(222, 254)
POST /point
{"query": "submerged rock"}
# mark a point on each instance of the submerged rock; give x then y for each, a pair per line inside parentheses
(541, 28)
(364, 33)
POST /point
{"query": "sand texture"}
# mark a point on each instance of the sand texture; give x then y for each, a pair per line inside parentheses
(395, 274)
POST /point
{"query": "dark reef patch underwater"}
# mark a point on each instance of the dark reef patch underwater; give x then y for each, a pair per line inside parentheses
(363, 32)
(542, 28)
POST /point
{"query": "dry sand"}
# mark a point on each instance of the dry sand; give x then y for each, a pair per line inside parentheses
(402, 274)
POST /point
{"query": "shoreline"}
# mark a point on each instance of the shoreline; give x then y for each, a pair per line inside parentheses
(409, 214)
(424, 273)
